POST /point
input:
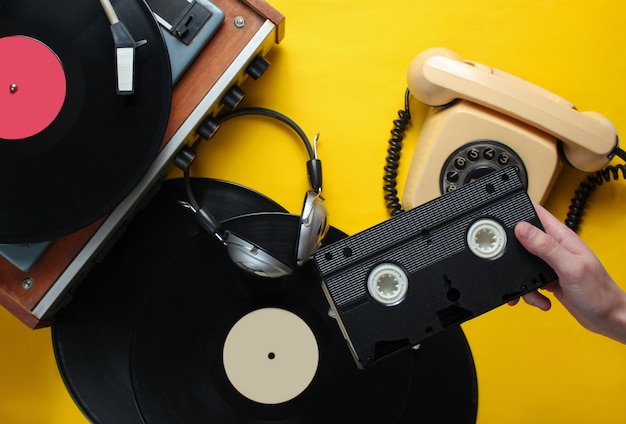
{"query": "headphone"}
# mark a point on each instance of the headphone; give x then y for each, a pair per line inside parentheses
(313, 222)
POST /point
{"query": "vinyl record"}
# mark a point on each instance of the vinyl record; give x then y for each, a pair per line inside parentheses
(214, 343)
(91, 334)
(71, 148)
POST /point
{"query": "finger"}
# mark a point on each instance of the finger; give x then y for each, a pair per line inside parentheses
(559, 231)
(513, 302)
(543, 245)
(537, 300)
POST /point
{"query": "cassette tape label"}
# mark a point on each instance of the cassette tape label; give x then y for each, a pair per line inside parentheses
(457, 253)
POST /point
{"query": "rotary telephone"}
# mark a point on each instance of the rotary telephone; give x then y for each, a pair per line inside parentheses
(482, 119)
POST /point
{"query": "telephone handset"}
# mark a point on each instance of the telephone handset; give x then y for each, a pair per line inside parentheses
(483, 119)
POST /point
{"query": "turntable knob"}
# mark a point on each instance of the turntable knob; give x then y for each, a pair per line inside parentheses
(233, 97)
(257, 67)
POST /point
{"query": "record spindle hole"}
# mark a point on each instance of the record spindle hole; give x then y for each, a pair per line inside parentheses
(34, 87)
(270, 356)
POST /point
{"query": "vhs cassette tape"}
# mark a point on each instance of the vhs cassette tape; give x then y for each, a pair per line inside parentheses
(432, 267)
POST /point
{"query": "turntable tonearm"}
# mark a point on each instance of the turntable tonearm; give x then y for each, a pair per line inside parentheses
(213, 81)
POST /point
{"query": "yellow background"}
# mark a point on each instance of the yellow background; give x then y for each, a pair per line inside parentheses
(341, 71)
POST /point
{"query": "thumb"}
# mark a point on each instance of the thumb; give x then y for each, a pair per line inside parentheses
(542, 245)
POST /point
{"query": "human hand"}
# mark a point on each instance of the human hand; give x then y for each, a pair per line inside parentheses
(584, 287)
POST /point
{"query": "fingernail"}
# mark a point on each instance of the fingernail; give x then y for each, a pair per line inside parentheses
(542, 304)
(526, 230)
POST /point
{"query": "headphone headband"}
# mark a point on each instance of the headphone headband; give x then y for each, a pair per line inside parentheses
(313, 221)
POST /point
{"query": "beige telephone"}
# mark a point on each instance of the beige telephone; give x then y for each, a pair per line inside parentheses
(483, 119)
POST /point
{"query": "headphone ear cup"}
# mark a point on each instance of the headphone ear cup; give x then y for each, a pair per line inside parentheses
(263, 242)
(252, 258)
(313, 226)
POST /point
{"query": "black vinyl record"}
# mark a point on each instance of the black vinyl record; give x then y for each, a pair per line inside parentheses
(91, 334)
(73, 148)
(142, 339)
(214, 343)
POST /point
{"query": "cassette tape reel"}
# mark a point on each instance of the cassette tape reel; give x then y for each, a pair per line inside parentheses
(432, 267)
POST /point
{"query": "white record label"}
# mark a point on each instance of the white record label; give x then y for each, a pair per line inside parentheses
(270, 356)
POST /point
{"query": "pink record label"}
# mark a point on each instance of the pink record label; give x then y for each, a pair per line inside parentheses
(32, 87)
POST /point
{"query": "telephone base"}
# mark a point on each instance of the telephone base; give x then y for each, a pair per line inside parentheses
(481, 140)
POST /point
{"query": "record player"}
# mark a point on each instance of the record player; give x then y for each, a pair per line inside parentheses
(51, 239)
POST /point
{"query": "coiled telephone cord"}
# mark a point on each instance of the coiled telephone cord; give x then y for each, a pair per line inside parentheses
(589, 185)
(393, 157)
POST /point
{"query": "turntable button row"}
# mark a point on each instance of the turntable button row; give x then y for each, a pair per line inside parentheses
(235, 94)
